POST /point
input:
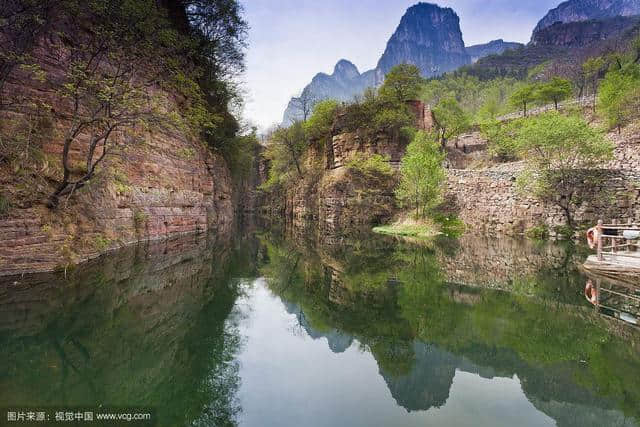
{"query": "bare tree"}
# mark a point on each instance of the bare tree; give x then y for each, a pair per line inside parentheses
(304, 104)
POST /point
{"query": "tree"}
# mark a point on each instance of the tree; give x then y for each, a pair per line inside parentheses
(619, 95)
(561, 153)
(304, 104)
(402, 83)
(421, 174)
(319, 125)
(284, 150)
(556, 90)
(592, 68)
(450, 120)
(523, 96)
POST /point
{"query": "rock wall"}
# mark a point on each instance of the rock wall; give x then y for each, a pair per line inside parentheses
(153, 185)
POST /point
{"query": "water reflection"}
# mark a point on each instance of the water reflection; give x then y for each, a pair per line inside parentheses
(427, 314)
(149, 326)
(273, 330)
(617, 300)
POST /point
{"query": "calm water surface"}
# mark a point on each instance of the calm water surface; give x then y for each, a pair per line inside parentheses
(272, 331)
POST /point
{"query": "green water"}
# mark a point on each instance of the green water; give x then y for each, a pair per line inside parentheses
(267, 330)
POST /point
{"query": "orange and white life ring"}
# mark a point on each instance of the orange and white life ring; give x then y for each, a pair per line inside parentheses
(591, 293)
(592, 237)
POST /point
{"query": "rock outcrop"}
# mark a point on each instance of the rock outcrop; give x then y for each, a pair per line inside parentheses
(583, 10)
(494, 47)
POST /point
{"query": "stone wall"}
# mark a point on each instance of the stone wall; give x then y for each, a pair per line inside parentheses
(154, 184)
(489, 201)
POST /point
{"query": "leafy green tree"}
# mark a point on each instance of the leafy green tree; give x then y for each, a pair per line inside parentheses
(592, 68)
(284, 151)
(560, 152)
(402, 83)
(450, 120)
(421, 174)
(319, 125)
(523, 96)
(619, 96)
(556, 90)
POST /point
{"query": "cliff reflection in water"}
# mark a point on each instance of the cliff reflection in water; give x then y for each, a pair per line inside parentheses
(148, 326)
(168, 326)
(491, 308)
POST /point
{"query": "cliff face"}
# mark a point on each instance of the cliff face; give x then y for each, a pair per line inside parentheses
(336, 200)
(154, 185)
(494, 47)
(583, 10)
(428, 36)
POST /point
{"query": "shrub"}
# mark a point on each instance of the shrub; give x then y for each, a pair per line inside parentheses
(538, 232)
(374, 165)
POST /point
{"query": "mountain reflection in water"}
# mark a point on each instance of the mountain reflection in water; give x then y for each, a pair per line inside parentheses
(274, 330)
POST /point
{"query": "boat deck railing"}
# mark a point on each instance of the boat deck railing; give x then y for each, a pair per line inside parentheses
(612, 241)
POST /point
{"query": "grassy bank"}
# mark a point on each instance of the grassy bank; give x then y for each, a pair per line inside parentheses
(409, 228)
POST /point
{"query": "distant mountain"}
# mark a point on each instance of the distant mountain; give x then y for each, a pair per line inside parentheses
(345, 83)
(428, 36)
(584, 33)
(583, 10)
(563, 44)
(494, 47)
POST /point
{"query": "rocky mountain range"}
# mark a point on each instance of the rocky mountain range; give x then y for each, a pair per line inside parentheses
(494, 47)
(584, 10)
(429, 36)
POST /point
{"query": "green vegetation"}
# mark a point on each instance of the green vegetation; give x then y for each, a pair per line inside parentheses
(285, 150)
(370, 166)
(421, 174)
(402, 83)
(411, 228)
(545, 335)
(318, 126)
(555, 90)
(101, 243)
(538, 232)
(560, 151)
(450, 120)
(619, 95)
(523, 96)
(478, 99)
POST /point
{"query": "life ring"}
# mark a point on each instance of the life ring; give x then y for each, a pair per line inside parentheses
(592, 237)
(591, 293)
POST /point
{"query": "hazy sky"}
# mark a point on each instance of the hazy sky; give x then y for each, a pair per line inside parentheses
(292, 40)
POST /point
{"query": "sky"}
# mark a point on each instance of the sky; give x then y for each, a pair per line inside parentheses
(292, 40)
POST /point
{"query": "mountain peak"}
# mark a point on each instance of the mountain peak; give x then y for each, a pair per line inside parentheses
(345, 69)
(429, 37)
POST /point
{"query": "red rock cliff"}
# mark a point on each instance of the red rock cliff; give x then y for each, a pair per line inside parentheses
(155, 185)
